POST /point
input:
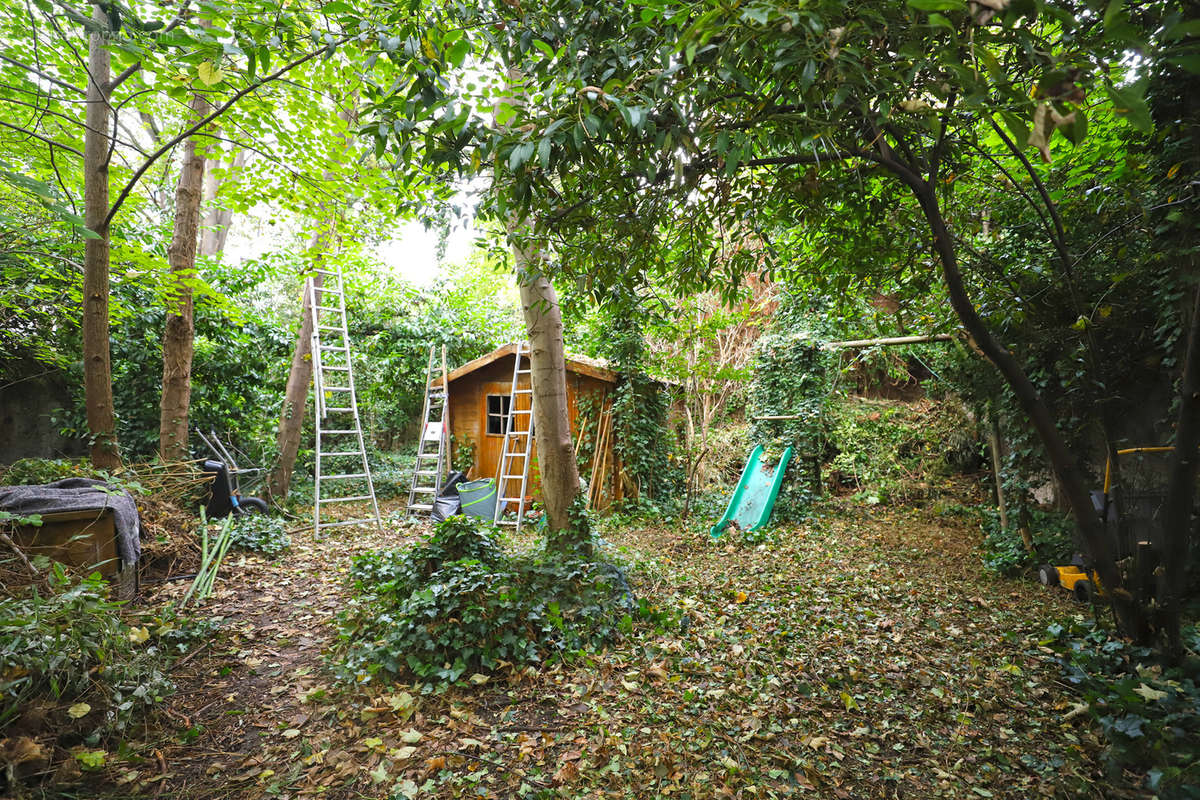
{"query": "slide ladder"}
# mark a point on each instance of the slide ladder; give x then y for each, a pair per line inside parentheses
(754, 498)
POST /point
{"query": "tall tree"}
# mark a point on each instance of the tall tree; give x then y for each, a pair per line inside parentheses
(551, 421)
(97, 151)
(662, 122)
(321, 247)
(295, 396)
(179, 330)
(218, 217)
(47, 64)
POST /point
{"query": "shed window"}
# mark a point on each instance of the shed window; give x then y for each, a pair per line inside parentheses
(497, 413)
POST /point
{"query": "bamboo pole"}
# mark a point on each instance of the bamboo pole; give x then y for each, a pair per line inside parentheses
(606, 462)
(583, 425)
(595, 456)
(888, 340)
(600, 462)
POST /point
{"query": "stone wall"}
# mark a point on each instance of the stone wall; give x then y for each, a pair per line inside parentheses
(26, 428)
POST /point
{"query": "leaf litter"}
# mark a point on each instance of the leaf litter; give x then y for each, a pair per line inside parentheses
(862, 654)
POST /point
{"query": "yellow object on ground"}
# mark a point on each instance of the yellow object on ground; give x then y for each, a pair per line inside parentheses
(1075, 580)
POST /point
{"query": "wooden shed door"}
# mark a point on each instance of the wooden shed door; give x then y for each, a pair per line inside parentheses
(494, 412)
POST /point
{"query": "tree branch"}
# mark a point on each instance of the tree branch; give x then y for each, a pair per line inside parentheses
(1060, 235)
(135, 66)
(40, 137)
(221, 109)
(1061, 458)
(41, 74)
(935, 157)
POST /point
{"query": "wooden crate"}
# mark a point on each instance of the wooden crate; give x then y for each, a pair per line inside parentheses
(85, 539)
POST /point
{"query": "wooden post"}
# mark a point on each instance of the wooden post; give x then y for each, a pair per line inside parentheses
(994, 446)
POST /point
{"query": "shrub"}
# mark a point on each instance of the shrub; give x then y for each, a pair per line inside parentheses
(459, 603)
(790, 380)
(70, 646)
(1150, 716)
(260, 533)
(1004, 551)
(37, 471)
(730, 444)
(891, 451)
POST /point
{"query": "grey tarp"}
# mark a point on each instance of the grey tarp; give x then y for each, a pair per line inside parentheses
(80, 494)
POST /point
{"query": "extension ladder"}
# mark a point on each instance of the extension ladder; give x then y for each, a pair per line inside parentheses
(432, 446)
(341, 467)
(518, 443)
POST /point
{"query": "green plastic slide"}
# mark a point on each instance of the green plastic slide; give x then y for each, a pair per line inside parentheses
(752, 501)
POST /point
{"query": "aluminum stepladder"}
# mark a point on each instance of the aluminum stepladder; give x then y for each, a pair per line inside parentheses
(341, 452)
(513, 468)
(433, 444)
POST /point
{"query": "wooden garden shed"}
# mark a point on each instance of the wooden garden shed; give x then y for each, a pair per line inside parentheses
(480, 393)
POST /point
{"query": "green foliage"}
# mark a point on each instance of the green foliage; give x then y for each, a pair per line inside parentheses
(1149, 715)
(790, 379)
(36, 471)
(70, 645)
(238, 371)
(39, 284)
(730, 443)
(457, 538)
(639, 414)
(728, 169)
(1004, 551)
(459, 603)
(893, 452)
(260, 533)
(641, 441)
(393, 325)
(577, 541)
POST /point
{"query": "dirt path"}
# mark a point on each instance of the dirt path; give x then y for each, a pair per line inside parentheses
(254, 682)
(863, 655)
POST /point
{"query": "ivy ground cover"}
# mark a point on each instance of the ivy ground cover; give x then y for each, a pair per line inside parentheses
(862, 654)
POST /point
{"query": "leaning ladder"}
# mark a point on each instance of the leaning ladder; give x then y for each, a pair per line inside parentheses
(518, 443)
(435, 431)
(341, 454)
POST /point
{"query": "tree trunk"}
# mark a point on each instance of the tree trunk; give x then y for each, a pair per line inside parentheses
(1181, 488)
(1129, 616)
(97, 365)
(551, 421)
(552, 425)
(295, 396)
(179, 331)
(215, 227)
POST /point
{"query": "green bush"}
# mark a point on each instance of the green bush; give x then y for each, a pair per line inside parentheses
(1150, 716)
(260, 533)
(37, 471)
(890, 451)
(1004, 551)
(70, 647)
(459, 603)
(791, 380)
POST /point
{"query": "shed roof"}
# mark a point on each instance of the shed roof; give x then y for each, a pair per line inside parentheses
(592, 367)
